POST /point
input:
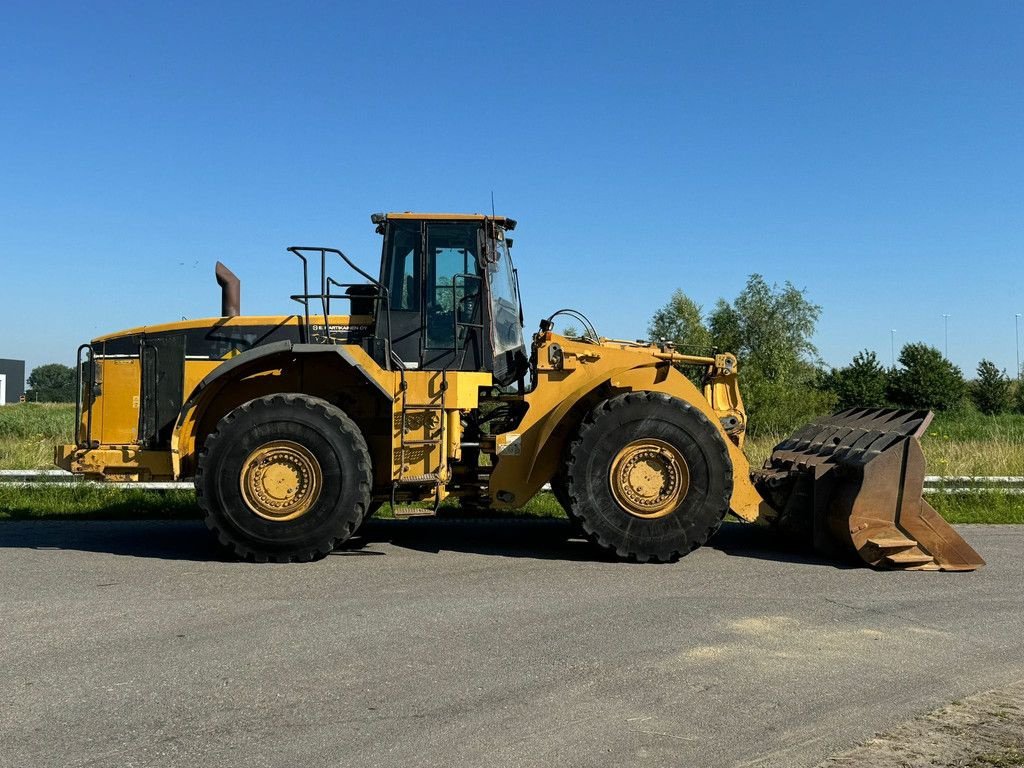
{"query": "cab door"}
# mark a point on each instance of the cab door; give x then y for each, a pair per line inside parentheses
(452, 306)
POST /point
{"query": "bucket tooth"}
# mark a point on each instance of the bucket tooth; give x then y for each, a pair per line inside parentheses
(892, 542)
(909, 558)
(853, 481)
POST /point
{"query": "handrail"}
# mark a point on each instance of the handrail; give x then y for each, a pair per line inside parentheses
(304, 298)
(384, 294)
(79, 399)
(325, 295)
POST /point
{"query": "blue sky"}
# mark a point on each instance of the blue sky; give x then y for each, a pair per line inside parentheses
(872, 153)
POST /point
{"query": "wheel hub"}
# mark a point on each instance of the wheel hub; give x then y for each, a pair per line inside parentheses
(281, 480)
(649, 478)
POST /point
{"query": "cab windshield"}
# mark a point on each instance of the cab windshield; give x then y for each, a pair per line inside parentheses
(506, 324)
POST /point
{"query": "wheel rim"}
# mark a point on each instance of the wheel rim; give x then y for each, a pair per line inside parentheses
(281, 480)
(649, 478)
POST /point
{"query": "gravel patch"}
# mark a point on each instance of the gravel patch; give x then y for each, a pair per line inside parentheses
(982, 731)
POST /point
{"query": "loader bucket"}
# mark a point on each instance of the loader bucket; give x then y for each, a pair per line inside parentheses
(852, 482)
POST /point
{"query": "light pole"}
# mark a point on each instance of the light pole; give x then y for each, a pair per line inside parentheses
(892, 346)
(945, 330)
(1016, 336)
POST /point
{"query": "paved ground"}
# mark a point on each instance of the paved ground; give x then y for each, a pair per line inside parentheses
(478, 645)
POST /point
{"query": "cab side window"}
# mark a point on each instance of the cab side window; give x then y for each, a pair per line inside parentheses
(403, 282)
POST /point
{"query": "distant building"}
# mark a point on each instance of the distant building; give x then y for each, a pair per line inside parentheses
(12, 381)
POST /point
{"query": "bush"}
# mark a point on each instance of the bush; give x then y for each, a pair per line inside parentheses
(863, 383)
(681, 321)
(770, 329)
(778, 407)
(926, 380)
(991, 390)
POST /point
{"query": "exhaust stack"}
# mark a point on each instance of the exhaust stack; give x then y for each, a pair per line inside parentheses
(230, 291)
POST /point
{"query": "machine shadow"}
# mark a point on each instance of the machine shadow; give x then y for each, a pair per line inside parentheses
(762, 543)
(537, 538)
(187, 540)
(554, 539)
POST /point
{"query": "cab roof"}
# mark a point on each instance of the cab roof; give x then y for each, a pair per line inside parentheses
(503, 221)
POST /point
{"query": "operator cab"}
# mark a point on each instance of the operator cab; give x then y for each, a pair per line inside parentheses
(452, 299)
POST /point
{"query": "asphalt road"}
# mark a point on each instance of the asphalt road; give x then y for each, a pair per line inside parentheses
(442, 644)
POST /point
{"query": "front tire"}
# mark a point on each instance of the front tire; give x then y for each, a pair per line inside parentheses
(560, 491)
(648, 477)
(284, 478)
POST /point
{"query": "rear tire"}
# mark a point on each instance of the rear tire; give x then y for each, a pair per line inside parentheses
(284, 478)
(372, 510)
(648, 477)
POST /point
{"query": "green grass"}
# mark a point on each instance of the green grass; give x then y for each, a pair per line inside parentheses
(980, 507)
(972, 426)
(92, 503)
(955, 444)
(972, 444)
(29, 431)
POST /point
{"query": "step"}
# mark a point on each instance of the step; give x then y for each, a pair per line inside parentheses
(422, 407)
(408, 443)
(909, 558)
(403, 512)
(892, 542)
(419, 479)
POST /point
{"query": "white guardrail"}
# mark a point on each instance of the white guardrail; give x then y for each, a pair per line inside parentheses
(58, 477)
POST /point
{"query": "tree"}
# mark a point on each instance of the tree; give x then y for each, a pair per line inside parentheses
(926, 380)
(862, 383)
(572, 332)
(52, 383)
(681, 322)
(1018, 398)
(769, 327)
(991, 390)
(770, 330)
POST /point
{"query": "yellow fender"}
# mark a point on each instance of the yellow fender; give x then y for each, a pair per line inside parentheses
(529, 456)
(242, 378)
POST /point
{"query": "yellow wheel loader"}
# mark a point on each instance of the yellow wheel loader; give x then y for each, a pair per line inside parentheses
(296, 428)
